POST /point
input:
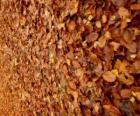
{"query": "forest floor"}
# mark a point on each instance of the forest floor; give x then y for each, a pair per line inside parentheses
(69, 57)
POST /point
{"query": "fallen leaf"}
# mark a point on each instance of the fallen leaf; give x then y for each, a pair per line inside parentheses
(111, 110)
(115, 45)
(71, 25)
(126, 79)
(128, 108)
(135, 6)
(136, 66)
(92, 37)
(109, 76)
(125, 93)
(120, 66)
(123, 12)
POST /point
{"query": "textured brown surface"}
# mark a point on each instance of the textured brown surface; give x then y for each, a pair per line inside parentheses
(69, 57)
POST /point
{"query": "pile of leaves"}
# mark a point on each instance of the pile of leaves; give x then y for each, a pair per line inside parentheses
(70, 57)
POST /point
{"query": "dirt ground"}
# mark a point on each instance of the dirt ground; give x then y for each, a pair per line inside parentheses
(69, 57)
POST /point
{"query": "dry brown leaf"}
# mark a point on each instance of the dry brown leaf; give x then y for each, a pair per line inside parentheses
(125, 93)
(74, 93)
(136, 65)
(121, 66)
(109, 76)
(76, 64)
(72, 6)
(72, 85)
(112, 110)
(93, 56)
(132, 47)
(128, 37)
(71, 25)
(65, 69)
(115, 45)
(96, 107)
(126, 79)
(92, 37)
(137, 95)
(79, 72)
(119, 2)
(123, 12)
(135, 6)
(102, 40)
(98, 69)
(104, 18)
(98, 24)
